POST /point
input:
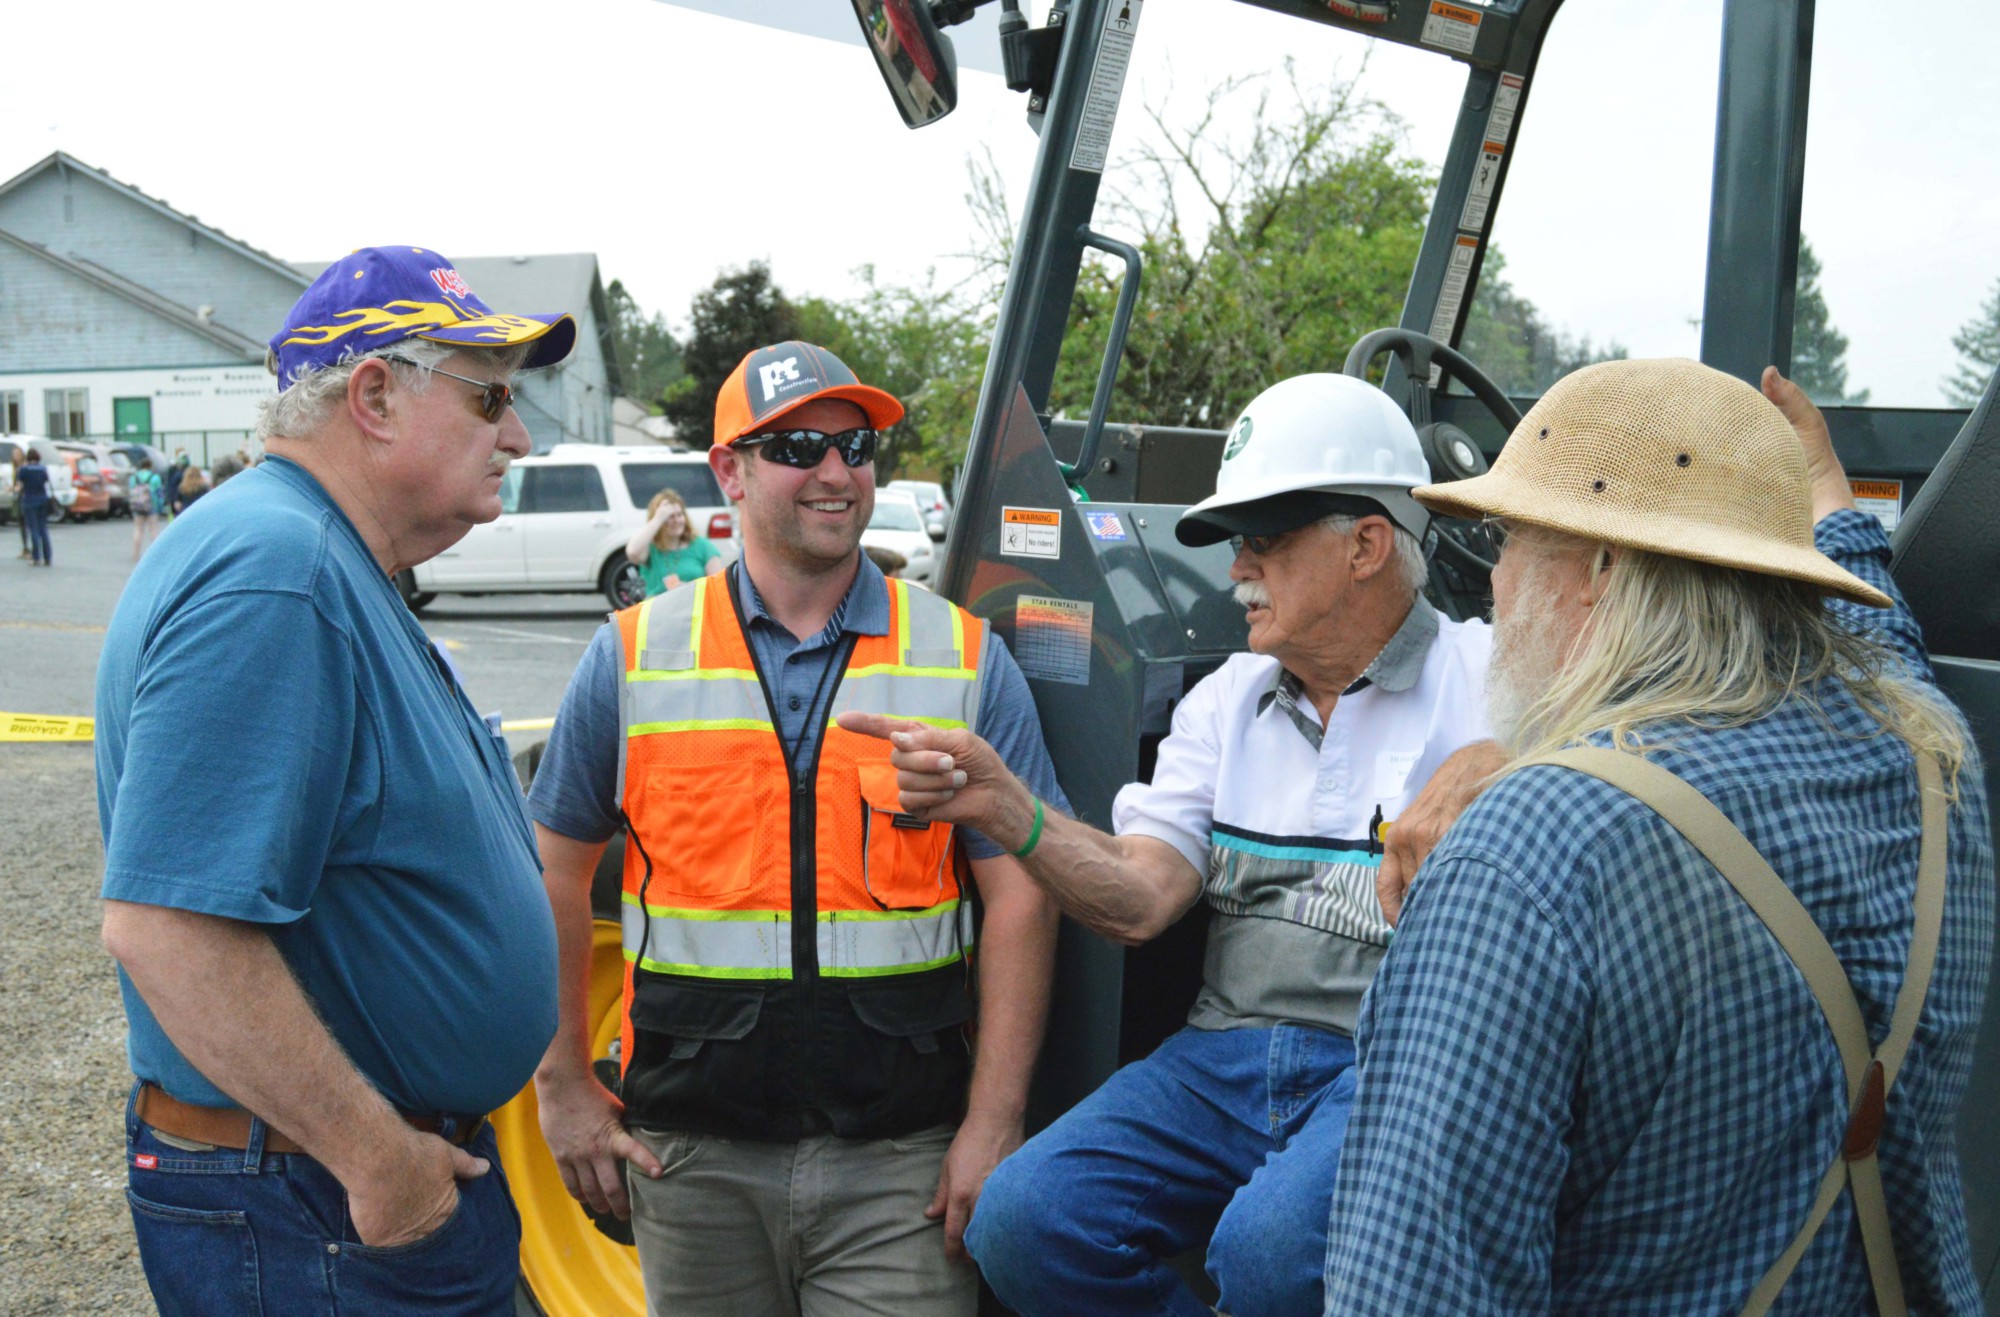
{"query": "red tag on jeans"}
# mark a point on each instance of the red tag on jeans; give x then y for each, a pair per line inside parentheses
(145, 1161)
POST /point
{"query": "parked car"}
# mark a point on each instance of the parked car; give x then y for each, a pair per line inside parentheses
(112, 467)
(566, 516)
(145, 455)
(931, 499)
(898, 523)
(93, 500)
(62, 492)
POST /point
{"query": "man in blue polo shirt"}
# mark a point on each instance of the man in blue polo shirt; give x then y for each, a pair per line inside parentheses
(326, 997)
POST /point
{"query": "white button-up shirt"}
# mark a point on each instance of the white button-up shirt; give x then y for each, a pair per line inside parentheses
(1285, 815)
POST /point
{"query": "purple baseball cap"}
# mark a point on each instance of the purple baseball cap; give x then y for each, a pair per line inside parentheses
(381, 295)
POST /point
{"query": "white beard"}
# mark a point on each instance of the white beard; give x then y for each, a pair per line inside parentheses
(1528, 652)
(1252, 594)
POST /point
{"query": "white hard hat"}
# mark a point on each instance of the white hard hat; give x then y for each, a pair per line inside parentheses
(1308, 447)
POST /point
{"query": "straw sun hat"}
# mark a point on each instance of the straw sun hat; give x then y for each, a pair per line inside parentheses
(1668, 456)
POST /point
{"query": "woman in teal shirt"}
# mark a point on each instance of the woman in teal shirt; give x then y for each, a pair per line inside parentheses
(666, 549)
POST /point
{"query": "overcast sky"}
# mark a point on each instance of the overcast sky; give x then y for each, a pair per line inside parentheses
(674, 143)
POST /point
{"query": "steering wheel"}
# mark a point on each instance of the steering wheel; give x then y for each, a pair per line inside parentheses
(1449, 450)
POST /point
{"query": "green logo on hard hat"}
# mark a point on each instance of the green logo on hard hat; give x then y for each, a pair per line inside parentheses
(1237, 438)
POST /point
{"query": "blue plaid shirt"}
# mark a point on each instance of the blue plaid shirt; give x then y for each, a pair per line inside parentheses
(1592, 1082)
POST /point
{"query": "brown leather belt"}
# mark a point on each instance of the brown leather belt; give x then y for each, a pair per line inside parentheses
(229, 1127)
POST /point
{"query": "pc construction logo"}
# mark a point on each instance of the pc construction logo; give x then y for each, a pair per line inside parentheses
(776, 375)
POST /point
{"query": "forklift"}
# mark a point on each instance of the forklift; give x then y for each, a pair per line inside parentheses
(1063, 533)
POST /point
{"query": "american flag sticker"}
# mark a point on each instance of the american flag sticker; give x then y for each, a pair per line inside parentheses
(145, 1161)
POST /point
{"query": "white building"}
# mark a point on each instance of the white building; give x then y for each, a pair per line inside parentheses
(121, 316)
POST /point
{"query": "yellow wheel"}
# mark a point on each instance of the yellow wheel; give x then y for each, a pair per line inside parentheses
(571, 1269)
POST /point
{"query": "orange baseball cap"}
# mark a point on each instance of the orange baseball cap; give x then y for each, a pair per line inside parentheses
(785, 376)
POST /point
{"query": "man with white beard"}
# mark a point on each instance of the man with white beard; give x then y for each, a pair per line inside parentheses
(1616, 1062)
(1269, 802)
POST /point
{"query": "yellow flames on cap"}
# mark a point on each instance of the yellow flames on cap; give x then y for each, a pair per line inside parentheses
(414, 318)
(503, 328)
(379, 320)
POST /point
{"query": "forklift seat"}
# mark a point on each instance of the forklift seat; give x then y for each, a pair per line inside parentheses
(1947, 557)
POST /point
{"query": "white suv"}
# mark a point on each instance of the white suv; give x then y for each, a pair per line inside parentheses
(565, 518)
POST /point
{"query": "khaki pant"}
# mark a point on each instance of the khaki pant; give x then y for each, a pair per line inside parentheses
(825, 1227)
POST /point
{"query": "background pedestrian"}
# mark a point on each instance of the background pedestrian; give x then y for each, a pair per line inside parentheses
(666, 549)
(31, 489)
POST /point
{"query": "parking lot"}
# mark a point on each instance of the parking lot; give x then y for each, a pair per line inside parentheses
(65, 1244)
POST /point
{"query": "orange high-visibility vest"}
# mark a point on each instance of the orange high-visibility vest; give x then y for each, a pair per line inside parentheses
(770, 915)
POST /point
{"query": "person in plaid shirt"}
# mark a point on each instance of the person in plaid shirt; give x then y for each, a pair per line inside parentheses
(1591, 1080)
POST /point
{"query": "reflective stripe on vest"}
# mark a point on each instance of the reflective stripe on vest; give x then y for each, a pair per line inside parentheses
(744, 944)
(891, 906)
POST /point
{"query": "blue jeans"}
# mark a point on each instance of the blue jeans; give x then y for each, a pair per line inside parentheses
(1228, 1137)
(241, 1231)
(35, 520)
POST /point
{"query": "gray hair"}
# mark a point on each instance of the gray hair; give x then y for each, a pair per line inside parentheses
(1406, 560)
(304, 404)
(1674, 640)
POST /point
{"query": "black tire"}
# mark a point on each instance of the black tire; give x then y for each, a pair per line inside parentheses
(620, 583)
(56, 514)
(406, 586)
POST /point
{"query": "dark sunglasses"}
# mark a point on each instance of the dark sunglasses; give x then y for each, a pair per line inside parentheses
(806, 449)
(494, 397)
(1261, 545)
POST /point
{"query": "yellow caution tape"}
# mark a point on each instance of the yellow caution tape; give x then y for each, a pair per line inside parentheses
(36, 727)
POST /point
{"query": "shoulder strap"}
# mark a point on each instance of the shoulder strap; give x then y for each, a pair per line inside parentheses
(1869, 1071)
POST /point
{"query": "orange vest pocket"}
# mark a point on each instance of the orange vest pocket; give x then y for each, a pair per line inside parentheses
(690, 823)
(904, 859)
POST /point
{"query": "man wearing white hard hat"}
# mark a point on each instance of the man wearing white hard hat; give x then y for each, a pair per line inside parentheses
(1680, 1013)
(1269, 802)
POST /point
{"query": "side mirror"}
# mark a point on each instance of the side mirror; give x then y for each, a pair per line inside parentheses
(916, 60)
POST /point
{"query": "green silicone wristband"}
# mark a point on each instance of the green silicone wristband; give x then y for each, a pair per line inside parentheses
(1034, 837)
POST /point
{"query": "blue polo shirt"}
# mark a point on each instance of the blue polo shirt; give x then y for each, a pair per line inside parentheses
(264, 693)
(576, 785)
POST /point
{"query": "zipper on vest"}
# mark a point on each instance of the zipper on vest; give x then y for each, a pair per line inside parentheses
(804, 835)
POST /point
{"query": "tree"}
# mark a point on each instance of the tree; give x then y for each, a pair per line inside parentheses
(743, 309)
(1978, 344)
(1271, 240)
(1819, 351)
(925, 346)
(1506, 336)
(649, 360)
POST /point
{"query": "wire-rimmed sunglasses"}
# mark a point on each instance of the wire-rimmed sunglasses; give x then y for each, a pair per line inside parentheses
(806, 449)
(1261, 545)
(494, 397)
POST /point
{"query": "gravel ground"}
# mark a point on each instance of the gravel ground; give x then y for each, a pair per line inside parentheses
(65, 1241)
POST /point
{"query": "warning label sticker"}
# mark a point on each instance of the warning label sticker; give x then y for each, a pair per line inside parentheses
(1479, 199)
(1451, 27)
(1052, 639)
(1452, 295)
(1506, 101)
(1031, 532)
(1880, 499)
(1107, 83)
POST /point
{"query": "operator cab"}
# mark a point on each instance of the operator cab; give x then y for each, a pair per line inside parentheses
(1064, 535)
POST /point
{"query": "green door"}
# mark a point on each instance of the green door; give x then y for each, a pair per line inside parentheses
(133, 418)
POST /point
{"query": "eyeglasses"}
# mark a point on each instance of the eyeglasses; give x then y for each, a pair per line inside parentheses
(1261, 545)
(1498, 532)
(806, 449)
(494, 397)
